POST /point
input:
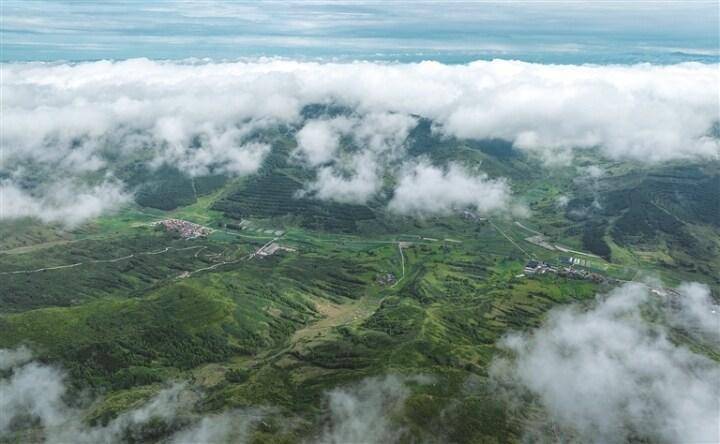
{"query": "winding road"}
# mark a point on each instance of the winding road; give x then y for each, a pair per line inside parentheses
(100, 261)
(402, 263)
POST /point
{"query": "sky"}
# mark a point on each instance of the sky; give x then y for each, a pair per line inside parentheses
(598, 32)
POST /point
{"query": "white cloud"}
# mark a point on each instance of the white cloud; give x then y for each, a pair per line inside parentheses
(594, 172)
(609, 375)
(630, 112)
(11, 358)
(361, 413)
(384, 133)
(318, 140)
(200, 116)
(562, 201)
(36, 391)
(644, 112)
(425, 189)
(697, 313)
(355, 186)
(229, 427)
(218, 150)
(64, 202)
(355, 176)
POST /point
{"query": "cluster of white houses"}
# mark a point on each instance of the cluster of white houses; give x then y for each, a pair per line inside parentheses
(186, 230)
(534, 267)
(271, 249)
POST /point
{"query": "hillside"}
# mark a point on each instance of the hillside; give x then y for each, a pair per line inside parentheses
(347, 292)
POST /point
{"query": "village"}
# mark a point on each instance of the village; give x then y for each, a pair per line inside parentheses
(186, 230)
(534, 267)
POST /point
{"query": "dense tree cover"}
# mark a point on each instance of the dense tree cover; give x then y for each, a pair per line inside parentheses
(646, 209)
(207, 184)
(123, 343)
(281, 331)
(166, 187)
(99, 275)
(276, 194)
(593, 239)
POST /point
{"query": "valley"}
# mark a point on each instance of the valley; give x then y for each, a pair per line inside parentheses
(280, 305)
(359, 222)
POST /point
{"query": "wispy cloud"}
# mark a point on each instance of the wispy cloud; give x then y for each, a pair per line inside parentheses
(605, 31)
(65, 202)
(424, 189)
(33, 397)
(609, 375)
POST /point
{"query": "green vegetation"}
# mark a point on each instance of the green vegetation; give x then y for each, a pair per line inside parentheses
(124, 306)
(666, 218)
(276, 191)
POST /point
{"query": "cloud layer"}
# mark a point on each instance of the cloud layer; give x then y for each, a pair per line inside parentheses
(608, 375)
(428, 190)
(203, 117)
(641, 112)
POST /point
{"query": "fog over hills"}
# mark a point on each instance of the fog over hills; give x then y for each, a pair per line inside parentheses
(79, 119)
(359, 222)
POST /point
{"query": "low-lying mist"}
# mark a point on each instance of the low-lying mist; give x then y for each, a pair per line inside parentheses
(623, 369)
(34, 406)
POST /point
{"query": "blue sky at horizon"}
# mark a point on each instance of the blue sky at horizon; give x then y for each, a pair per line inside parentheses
(449, 31)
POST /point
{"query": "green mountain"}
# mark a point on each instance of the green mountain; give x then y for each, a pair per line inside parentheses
(291, 298)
